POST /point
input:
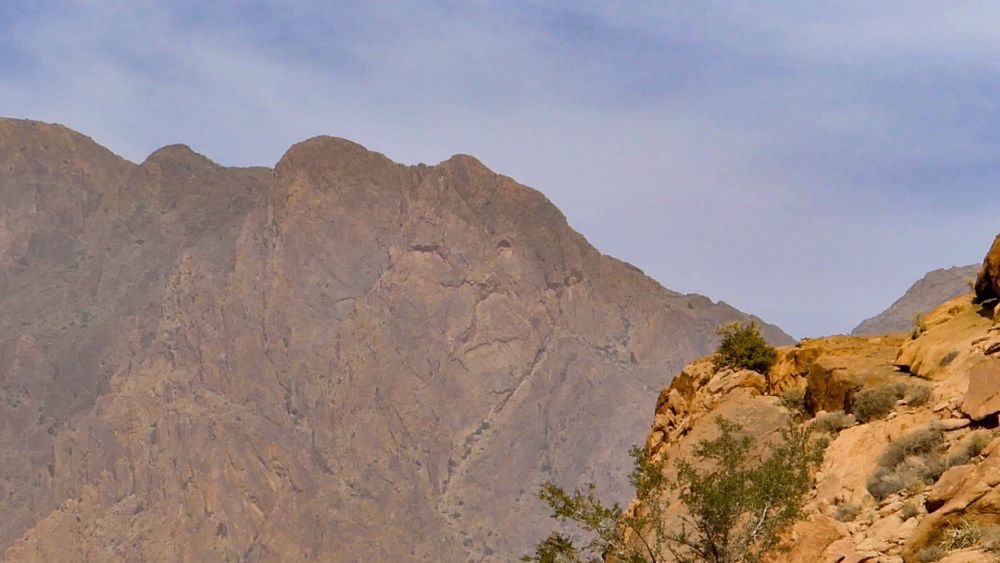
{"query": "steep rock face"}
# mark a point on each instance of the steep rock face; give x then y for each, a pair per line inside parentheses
(988, 279)
(340, 359)
(926, 294)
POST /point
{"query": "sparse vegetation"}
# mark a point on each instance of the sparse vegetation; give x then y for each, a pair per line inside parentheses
(970, 448)
(919, 327)
(911, 462)
(960, 536)
(931, 553)
(909, 510)
(991, 538)
(917, 395)
(877, 402)
(794, 399)
(846, 511)
(948, 358)
(743, 347)
(737, 506)
(831, 422)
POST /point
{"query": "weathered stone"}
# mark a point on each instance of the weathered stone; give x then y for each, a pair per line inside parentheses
(983, 397)
(947, 486)
(809, 539)
(340, 358)
(988, 281)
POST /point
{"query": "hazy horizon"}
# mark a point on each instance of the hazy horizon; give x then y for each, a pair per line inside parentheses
(801, 165)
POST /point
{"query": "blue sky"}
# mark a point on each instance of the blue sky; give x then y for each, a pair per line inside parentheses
(804, 161)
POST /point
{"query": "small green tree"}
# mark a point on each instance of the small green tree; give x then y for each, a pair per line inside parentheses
(738, 509)
(743, 347)
(608, 528)
(737, 505)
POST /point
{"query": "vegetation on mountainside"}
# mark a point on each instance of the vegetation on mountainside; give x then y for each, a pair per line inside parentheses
(743, 347)
(877, 402)
(737, 505)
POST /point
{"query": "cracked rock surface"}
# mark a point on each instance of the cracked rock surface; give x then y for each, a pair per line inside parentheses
(338, 359)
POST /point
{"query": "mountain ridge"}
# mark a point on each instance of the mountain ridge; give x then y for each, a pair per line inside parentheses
(338, 357)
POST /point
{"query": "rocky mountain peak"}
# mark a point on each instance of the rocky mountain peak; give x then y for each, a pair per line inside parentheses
(343, 358)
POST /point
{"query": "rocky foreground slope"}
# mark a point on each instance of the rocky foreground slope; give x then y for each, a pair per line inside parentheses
(917, 482)
(926, 294)
(338, 359)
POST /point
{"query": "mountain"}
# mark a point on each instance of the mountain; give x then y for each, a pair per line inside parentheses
(930, 291)
(910, 473)
(338, 359)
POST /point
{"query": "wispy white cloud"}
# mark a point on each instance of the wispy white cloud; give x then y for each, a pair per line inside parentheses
(803, 164)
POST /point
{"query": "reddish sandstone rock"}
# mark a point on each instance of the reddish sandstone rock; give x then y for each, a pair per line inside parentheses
(988, 281)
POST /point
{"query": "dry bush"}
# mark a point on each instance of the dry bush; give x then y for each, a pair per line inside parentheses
(909, 510)
(960, 536)
(875, 403)
(846, 512)
(794, 399)
(831, 422)
(991, 538)
(918, 394)
(971, 447)
(931, 553)
(911, 462)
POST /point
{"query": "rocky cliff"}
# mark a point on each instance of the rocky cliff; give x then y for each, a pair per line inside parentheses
(338, 359)
(917, 479)
(923, 296)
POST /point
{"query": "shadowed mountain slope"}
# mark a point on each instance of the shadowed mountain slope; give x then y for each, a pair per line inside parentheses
(342, 358)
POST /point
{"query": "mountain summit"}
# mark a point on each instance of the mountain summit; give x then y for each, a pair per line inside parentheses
(338, 359)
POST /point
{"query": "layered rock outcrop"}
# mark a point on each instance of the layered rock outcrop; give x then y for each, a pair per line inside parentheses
(917, 482)
(988, 281)
(338, 359)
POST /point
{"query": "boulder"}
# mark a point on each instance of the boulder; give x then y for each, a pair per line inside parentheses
(983, 397)
(811, 538)
(947, 486)
(988, 280)
(976, 499)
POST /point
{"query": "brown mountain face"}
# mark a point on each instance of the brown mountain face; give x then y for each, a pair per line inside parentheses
(339, 359)
(926, 294)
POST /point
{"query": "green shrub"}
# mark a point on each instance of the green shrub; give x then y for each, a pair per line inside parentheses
(846, 512)
(738, 506)
(872, 404)
(830, 422)
(877, 402)
(743, 347)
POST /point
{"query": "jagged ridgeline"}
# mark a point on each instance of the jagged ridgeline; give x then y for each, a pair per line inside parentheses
(338, 359)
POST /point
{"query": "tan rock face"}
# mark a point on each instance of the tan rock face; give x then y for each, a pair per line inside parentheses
(955, 355)
(983, 397)
(340, 359)
(988, 280)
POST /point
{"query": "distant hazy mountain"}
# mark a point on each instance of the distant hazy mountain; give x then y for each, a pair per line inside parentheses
(933, 289)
